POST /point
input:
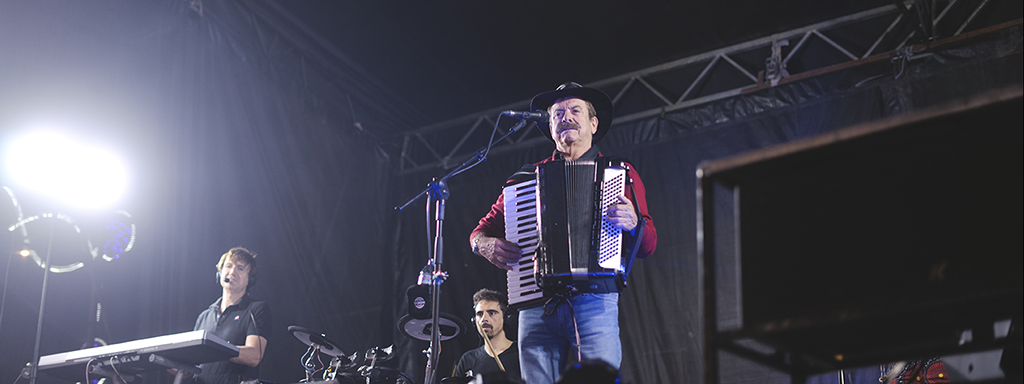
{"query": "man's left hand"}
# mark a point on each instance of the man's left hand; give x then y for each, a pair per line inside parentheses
(623, 215)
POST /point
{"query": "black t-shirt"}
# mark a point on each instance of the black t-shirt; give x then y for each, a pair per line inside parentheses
(234, 325)
(479, 362)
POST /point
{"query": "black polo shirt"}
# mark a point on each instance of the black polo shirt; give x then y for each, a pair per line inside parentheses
(234, 325)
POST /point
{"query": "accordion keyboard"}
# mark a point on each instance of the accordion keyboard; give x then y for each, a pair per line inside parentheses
(522, 227)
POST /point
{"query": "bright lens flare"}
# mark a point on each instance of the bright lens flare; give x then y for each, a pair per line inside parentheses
(68, 170)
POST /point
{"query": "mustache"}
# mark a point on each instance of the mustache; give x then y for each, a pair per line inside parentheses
(567, 125)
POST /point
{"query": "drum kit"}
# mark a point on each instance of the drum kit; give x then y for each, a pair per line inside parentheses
(359, 368)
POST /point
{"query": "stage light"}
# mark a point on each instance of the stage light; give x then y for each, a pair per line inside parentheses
(61, 219)
(120, 233)
(25, 253)
(68, 170)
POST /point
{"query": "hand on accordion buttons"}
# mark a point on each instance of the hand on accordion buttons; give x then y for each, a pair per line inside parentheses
(622, 215)
(500, 252)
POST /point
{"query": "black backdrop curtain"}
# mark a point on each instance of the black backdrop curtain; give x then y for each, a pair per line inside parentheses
(228, 148)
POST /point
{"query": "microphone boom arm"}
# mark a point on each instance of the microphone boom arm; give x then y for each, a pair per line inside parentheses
(437, 194)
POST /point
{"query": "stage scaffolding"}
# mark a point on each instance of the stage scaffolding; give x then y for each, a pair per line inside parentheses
(889, 33)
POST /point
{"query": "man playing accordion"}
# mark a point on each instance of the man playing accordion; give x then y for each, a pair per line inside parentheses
(574, 324)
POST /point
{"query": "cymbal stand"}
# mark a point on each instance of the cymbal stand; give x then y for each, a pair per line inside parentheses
(437, 194)
(307, 362)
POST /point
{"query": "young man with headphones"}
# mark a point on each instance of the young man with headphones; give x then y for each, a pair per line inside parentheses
(491, 313)
(237, 319)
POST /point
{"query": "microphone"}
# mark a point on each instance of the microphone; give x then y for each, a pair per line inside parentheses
(537, 115)
(227, 279)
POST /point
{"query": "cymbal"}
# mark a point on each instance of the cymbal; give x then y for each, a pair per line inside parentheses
(311, 339)
(449, 325)
(380, 354)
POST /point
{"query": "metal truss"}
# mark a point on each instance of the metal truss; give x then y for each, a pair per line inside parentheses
(716, 75)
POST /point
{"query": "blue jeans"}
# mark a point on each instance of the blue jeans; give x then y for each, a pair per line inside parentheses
(548, 343)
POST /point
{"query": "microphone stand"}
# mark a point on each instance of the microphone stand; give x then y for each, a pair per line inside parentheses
(34, 370)
(437, 194)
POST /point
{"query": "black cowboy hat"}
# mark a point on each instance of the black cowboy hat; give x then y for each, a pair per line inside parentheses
(602, 103)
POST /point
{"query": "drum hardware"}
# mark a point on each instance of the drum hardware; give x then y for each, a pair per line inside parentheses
(372, 373)
(319, 343)
(341, 364)
(373, 356)
(449, 326)
(316, 340)
(375, 374)
(462, 380)
(354, 368)
(378, 354)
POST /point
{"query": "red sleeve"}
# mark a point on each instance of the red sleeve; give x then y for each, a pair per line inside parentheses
(493, 224)
(650, 240)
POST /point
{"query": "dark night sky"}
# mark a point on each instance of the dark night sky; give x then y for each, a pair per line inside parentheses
(450, 59)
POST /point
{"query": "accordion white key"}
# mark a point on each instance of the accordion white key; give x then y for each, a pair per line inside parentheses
(558, 219)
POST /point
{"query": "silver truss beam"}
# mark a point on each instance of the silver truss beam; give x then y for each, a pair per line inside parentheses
(654, 91)
(971, 18)
(739, 67)
(835, 45)
(943, 14)
(700, 78)
(882, 36)
(641, 81)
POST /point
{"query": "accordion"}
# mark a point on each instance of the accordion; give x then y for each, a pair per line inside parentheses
(556, 214)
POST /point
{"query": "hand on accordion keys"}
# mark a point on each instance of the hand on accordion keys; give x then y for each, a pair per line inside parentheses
(622, 215)
(500, 252)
